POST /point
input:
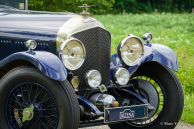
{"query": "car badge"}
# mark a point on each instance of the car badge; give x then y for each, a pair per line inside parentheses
(127, 114)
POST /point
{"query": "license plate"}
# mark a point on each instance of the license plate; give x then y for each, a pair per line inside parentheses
(125, 113)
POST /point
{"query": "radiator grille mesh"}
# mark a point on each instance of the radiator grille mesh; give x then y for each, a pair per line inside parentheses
(97, 42)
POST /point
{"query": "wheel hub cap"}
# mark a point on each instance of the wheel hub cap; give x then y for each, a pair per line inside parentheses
(28, 113)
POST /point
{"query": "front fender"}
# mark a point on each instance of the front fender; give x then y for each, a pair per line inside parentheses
(161, 54)
(154, 53)
(48, 63)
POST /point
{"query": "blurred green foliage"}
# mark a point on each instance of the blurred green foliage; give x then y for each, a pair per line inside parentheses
(154, 5)
(114, 6)
(100, 6)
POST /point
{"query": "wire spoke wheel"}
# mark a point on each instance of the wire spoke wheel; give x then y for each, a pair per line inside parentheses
(31, 106)
(161, 102)
(162, 89)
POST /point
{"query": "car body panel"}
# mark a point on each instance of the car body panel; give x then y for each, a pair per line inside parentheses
(42, 28)
(75, 25)
(45, 26)
(169, 59)
(49, 64)
(48, 29)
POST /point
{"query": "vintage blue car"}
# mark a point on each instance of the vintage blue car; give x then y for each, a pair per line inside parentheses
(57, 72)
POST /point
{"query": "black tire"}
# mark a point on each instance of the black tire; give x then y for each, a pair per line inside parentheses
(62, 92)
(174, 100)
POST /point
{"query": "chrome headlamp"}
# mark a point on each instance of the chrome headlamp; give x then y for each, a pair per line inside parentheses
(73, 53)
(122, 76)
(93, 78)
(31, 44)
(131, 50)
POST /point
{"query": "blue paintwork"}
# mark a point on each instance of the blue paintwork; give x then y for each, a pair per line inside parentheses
(19, 26)
(49, 64)
(88, 105)
(155, 52)
(16, 27)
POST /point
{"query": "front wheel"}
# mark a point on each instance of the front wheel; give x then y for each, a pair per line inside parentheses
(164, 93)
(29, 100)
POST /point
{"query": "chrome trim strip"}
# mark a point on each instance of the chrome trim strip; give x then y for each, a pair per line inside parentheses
(75, 25)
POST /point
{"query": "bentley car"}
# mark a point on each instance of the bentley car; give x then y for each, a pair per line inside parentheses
(57, 72)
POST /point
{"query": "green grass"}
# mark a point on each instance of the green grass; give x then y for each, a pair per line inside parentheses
(174, 30)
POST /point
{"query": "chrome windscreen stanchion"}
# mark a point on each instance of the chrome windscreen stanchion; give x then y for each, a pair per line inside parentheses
(26, 5)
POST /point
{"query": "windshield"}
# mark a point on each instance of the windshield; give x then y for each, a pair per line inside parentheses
(18, 4)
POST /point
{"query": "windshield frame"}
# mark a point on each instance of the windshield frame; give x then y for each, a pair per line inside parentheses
(16, 5)
(8, 7)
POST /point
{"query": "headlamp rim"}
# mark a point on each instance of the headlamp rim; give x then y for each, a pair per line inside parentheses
(63, 46)
(123, 43)
(116, 79)
(87, 76)
(31, 43)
